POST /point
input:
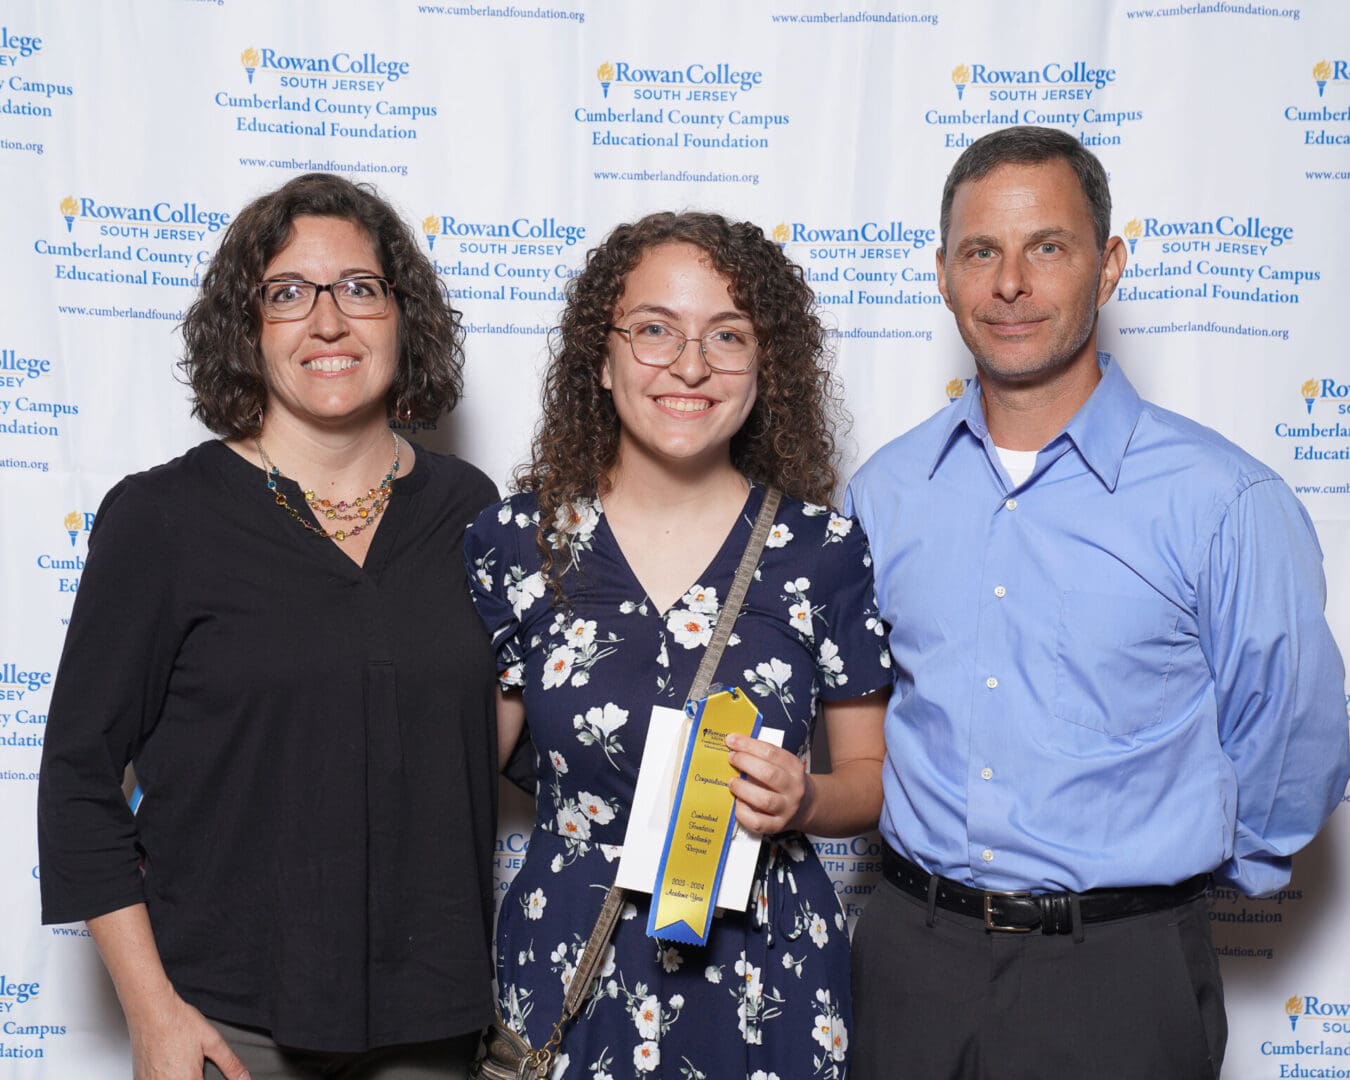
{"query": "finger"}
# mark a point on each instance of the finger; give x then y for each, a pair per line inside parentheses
(224, 1059)
(758, 747)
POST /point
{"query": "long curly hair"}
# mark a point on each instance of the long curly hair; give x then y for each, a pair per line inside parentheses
(787, 441)
(223, 362)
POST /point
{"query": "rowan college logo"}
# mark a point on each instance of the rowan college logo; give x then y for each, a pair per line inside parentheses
(956, 390)
(605, 76)
(1133, 230)
(431, 228)
(250, 58)
(1293, 1008)
(1309, 392)
(960, 79)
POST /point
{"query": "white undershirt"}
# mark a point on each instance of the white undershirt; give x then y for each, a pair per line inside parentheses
(1017, 463)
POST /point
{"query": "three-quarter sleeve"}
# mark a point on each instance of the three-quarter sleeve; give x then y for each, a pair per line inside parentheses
(110, 687)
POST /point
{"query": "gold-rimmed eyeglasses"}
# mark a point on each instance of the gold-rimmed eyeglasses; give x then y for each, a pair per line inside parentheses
(361, 296)
(659, 344)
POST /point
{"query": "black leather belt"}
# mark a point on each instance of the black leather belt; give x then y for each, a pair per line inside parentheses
(1022, 912)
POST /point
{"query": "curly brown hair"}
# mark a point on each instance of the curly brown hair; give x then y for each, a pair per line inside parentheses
(787, 441)
(223, 361)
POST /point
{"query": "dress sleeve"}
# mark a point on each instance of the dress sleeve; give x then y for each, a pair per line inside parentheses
(110, 687)
(852, 657)
(1278, 678)
(498, 583)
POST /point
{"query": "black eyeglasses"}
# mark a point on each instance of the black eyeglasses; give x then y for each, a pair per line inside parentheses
(361, 296)
(724, 349)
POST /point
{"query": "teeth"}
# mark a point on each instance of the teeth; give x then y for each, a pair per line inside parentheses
(330, 363)
(686, 404)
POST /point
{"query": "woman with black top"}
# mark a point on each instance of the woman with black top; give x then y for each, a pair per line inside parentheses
(274, 630)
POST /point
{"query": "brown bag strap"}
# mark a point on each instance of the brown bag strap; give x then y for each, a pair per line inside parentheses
(592, 956)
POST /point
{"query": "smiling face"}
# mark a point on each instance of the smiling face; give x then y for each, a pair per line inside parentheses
(684, 414)
(328, 369)
(1022, 273)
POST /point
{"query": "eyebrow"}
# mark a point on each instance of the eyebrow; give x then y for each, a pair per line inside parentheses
(667, 313)
(351, 271)
(975, 243)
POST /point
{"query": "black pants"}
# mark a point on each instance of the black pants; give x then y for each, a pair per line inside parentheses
(1135, 999)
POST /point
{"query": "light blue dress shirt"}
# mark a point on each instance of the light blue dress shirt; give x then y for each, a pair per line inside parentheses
(1116, 673)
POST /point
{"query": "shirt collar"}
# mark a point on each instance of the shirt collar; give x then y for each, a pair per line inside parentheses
(1101, 429)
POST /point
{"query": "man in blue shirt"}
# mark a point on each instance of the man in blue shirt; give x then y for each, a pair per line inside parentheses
(1114, 677)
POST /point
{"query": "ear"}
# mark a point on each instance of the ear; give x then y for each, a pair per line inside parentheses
(1113, 265)
(942, 278)
(606, 377)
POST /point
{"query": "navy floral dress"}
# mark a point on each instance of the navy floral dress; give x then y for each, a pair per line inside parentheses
(768, 997)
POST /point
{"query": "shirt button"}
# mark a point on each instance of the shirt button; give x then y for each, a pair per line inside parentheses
(991, 682)
(986, 773)
(1010, 504)
(1000, 591)
(987, 855)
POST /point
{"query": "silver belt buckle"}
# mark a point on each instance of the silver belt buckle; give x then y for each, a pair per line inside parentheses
(989, 923)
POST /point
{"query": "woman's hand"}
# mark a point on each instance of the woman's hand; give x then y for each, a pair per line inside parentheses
(776, 793)
(169, 1038)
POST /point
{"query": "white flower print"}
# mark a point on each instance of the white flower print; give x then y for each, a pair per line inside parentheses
(793, 963)
(779, 536)
(799, 615)
(534, 904)
(484, 578)
(760, 1074)
(830, 1032)
(558, 667)
(581, 633)
(814, 509)
(595, 808)
(692, 629)
(578, 520)
(839, 921)
(523, 521)
(663, 657)
(573, 824)
(504, 514)
(580, 678)
(556, 864)
(677, 1001)
(558, 762)
(647, 1017)
(837, 528)
(713, 974)
(629, 912)
(820, 932)
(514, 675)
(671, 960)
(599, 725)
(831, 664)
(646, 1056)
(750, 974)
(771, 678)
(702, 600)
(522, 592)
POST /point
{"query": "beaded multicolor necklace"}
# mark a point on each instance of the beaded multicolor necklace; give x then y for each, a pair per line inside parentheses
(364, 508)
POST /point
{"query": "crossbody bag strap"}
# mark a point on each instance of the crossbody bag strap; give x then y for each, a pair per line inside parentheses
(593, 954)
(745, 573)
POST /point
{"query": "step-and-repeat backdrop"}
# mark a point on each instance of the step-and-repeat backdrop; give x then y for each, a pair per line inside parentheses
(513, 135)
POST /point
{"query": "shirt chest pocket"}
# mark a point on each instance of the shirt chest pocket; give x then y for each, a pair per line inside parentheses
(1113, 659)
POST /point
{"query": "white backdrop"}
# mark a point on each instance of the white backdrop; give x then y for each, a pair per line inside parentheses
(513, 136)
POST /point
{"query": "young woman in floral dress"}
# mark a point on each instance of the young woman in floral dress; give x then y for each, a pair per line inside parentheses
(687, 377)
